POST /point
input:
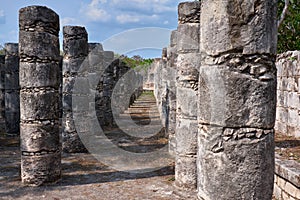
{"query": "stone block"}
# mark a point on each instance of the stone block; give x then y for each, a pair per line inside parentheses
(39, 45)
(39, 137)
(186, 172)
(277, 191)
(289, 170)
(42, 105)
(232, 99)
(186, 103)
(95, 47)
(12, 81)
(188, 38)
(238, 25)
(12, 123)
(235, 165)
(189, 12)
(12, 63)
(39, 75)
(47, 19)
(186, 137)
(72, 66)
(173, 38)
(294, 100)
(12, 101)
(40, 169)
(293, 117)
(291, 189)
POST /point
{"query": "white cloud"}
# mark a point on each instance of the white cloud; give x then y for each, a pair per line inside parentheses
(155, 6)
(94, 13)
(126, 18)
(67, 21)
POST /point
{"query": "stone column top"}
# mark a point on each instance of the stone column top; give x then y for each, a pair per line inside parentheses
(189, 12)
(38, 18)
(93, 45)
(74, 31)
(11, 48)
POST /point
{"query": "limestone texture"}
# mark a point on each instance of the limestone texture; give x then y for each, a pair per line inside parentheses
(39, 96)
(187, 73)
(12, 90)
(237, 99)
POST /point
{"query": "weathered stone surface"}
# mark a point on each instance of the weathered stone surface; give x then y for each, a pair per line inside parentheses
(39, 137)
(75, 42)
(2, 93)
(188, 37)
(244, 26)
(186, 136)
(40, 105)
(40, 168)
(240, 166)
(233, 99)
(12, 102)
(12, 87)
(12, 123)
(39, 95)
(237, 100)
(38, 19)
(39, 75)
(189, 12)
(185, 173)
(187, 72)
(38, 46)
(288, 99)
(94, 45)
(75, 52)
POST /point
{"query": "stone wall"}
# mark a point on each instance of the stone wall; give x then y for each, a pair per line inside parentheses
(288, 94)
(287, 179)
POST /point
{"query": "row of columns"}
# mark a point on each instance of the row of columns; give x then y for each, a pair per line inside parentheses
(225, 98)
(42, 87)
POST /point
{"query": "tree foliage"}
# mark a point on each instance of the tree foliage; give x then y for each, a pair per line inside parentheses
(136, 61)
(289, 30)
(2, 50)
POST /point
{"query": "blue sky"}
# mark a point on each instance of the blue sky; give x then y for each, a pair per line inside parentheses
(146, 23)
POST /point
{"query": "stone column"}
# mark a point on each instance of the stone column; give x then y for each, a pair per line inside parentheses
(237, 90)
(12, 89)
(186, 94)
(95, 45)
(75, 52)
(163, 90)
(171, 66)
(39, 96)
(2, 94)
(104, 90)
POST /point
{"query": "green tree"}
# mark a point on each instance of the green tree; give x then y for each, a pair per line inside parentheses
(2, 50)
(289, 25)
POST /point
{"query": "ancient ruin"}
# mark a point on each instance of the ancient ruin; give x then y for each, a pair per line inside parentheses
(39, 96)
(75, 52)
(188, 62)
(211, 96)
(237, 101)
(12, 90)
